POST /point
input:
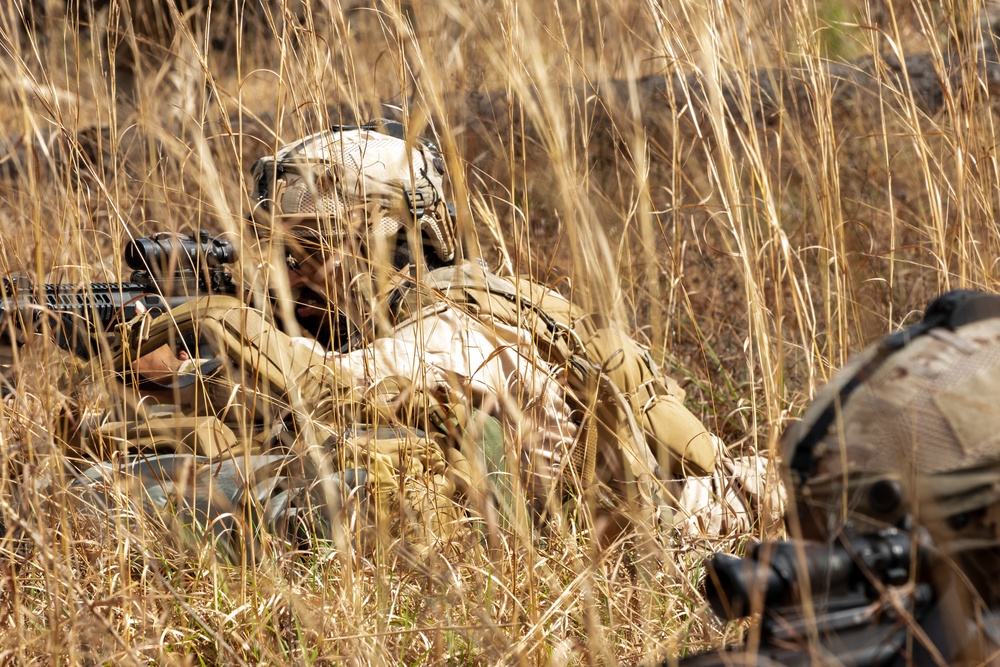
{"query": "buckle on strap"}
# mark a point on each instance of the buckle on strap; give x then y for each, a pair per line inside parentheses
(415, 202)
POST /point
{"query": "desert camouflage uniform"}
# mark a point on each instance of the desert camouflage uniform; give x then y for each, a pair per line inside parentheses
(459, 393)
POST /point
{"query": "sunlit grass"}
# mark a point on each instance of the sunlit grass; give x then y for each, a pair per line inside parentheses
(751, 252)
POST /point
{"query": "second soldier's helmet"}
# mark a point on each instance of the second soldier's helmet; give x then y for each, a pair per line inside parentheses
(354, 209)
(364, 182)
(909, 430)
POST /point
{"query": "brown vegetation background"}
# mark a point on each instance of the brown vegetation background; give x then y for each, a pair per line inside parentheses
(757, 188)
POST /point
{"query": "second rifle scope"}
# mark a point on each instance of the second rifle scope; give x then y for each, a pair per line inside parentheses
(774, 573)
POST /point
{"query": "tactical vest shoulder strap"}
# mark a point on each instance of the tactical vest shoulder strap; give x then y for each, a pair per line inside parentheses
(523, 304)
(641, 407)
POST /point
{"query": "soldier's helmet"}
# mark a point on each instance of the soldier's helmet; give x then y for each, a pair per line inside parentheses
(909, 430)
(364, 197)
(363, 185)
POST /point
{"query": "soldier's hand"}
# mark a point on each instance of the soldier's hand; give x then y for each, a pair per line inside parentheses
(160, 365)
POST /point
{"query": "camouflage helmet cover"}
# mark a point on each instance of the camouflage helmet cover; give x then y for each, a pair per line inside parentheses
(320, 183)
(913, 417)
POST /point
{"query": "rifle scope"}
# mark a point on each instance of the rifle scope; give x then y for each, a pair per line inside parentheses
(774, 572)
(165, 254)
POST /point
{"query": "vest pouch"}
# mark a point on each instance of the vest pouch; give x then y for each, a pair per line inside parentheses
(411, 484)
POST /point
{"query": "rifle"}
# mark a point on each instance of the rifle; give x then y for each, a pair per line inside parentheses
(849, 621)
(167, 270)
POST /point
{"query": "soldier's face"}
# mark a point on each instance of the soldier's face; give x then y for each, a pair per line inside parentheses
(315, 280)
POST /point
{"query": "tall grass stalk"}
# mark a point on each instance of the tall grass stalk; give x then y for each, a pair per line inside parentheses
(751, 249)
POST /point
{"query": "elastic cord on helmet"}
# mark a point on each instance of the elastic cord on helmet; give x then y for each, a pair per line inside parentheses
(414, 198)
(951, 310)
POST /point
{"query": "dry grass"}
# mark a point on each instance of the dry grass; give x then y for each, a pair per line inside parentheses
(751, 254)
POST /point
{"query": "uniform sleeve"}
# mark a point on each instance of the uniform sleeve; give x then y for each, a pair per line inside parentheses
(493, 366)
